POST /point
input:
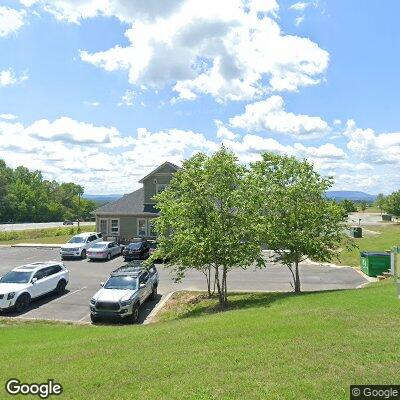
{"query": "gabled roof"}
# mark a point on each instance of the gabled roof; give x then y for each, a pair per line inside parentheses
(167, 163)
(131, 203)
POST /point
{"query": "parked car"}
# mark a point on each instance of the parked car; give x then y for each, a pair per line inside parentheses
(136, 250)
(77, 246)
(104, 251)
(68, 222)
(25, 283)
(124, 292)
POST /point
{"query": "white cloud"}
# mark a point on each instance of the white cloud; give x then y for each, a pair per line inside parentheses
(224, 49)
(11, 20)
(127, 98)
(270, 115)
(8, 77)
(8, 117)
(92, 103)
(300, 6)
(383, 148)
(223, 132)
(299, 20)
(327, 151)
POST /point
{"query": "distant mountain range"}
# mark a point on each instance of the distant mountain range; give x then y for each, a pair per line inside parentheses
(350, 195)
(337, 195)
(102, 198)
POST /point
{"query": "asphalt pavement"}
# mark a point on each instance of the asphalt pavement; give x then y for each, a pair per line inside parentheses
(85, 278)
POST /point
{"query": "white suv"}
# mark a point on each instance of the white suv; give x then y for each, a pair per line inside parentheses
(77, 246)
(22, 284)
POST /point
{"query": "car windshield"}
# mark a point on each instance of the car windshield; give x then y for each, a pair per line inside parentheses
(134, 246)
(77, 239)
(121, 282)
(16, 277)
(99, 246)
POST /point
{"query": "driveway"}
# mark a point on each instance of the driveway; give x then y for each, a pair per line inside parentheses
(86, 276)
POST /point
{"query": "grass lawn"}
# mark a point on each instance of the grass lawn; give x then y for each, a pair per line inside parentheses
(389, 236)
(270, 346)
(45, 235)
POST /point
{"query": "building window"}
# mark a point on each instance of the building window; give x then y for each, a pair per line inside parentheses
(103, 226)
(115, 226)
(142, 227)
(160, 187)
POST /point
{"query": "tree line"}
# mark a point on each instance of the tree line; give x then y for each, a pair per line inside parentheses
(217, 213)
(25, 196)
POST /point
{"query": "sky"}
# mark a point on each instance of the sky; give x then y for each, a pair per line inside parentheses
(101, 92)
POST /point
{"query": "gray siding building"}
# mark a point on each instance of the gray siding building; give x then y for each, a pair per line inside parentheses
(133, 214)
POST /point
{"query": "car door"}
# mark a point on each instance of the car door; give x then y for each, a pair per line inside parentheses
(39, 287)
(50, 280)
(112, 249)
(144, 292)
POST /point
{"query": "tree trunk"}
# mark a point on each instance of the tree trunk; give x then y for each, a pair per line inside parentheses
(220, 294)
(297, 288)
(224, 287)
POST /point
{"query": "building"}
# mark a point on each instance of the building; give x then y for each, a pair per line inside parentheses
(133, 214)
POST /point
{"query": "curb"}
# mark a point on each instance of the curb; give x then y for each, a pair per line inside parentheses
(38, 245)
(157, 309)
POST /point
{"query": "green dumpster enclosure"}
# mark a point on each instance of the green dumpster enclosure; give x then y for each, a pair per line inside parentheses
(374, 263)
(356, 232)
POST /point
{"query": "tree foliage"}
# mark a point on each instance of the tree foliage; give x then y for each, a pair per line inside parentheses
(297, 221)
(208, 219)
(26, 197)
(391, 204)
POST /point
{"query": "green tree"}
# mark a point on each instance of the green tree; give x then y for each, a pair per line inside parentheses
(363, 205)
(297, 221)
(349, 206)
(392, 204)
(208, 219)
(380, 201)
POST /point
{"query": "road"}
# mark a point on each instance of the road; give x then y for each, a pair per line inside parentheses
(86, 276)
(37, 225)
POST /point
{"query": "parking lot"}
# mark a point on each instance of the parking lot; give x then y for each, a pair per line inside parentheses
(85, 278)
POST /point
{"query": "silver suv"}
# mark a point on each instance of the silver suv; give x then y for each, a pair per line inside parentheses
(124, 292)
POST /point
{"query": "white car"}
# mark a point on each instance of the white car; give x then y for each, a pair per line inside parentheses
(104, 251)
(78, 245)
(27, 282)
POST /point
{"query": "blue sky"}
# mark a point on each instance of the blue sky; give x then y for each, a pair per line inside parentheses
(101, 92)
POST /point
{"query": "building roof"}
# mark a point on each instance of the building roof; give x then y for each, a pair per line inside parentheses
(128, 204)
(167, 163)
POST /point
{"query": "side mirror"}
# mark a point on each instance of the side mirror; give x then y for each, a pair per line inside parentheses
(101, 284)
(34, 280)
(142, 286)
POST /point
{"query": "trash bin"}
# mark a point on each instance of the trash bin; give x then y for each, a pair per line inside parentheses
(374, 263)
(386, 217)
(356, 232)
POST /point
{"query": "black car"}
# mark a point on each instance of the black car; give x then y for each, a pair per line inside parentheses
(136, 250)
(68, 222)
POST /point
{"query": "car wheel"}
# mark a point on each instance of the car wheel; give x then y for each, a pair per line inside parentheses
(22, 302)
(95, 319)
(60, 289)
(153, 294)
(134, 318)
(108, 256)
(83, 254)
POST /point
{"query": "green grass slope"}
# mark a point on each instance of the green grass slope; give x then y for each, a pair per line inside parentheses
(311, 346)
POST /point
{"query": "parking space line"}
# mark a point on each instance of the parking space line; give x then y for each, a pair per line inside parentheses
(69, 294)
(86, 316)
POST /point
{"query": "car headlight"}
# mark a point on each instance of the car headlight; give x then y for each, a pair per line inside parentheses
(126, 303)
(10, 295)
